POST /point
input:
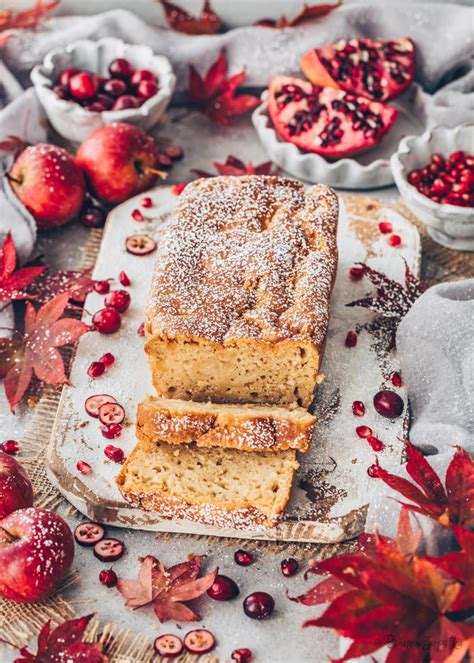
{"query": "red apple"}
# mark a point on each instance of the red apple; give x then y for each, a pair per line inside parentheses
(36, 551)
(16, 491)
(118, 161)
(48, 182)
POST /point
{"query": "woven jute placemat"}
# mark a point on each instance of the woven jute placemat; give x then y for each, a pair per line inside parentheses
(20, 622)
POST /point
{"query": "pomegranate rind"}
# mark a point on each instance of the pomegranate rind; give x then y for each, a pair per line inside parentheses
(352, 142)
(93, 403)
(208, 641)
(170, 639)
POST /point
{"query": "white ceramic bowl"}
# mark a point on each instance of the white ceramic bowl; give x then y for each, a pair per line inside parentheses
(449, 225)
(76, 123)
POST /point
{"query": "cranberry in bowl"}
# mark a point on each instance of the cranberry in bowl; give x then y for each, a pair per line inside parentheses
(93, 83)
(434, 173)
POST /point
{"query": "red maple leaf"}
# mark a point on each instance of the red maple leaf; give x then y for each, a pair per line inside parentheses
(178, 19)
(167, 589)
(26, 19)
(215, 94)
(12, 281)
(236, 167)
(78, 283)
(37, 351)
(389, 594)
(64, 643)
(453, 505)
(308, 13)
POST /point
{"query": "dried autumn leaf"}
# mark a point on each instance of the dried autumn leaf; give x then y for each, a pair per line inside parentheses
(12, 280)
(64, 643)
(178, 19)
(236, 167)
(308, 13)
(36, 353)
(26, 19)
(78, 283)
(166, 589)
(215, 94)
(451, 506)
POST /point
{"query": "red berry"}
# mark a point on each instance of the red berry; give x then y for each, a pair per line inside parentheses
(124, 280)
(95, 107)
(394, 240)
(106, 320)
(115, 87)
(83, 467)
(102, 287)
(385, 227)
(61, 91)
(375, 443)
(126, 101)
(96, 369)
(121, 68)
(106, 101)
(456, 156)
(114, 453)
(107, 359)
(89, 533)
(199, 641)
(137, 215)
(92, 217)
(111, 413)
(223, 589)
(243, 557)
(396, 379)
(242, 655)
(438, 160)
(108, 577)
(289, 567)
(10, 447)
(141, 329)
(164, 161)
(358, 408)
(109, 550)
(174, 152)
(111, 431)
(388, 404)
(356, 273)
(168, 645)
(351, 339)
(83, 85)
(259, 605)
(414, 177)
(373, 471)
(178, 188)
(66, 75)
(147, 89)
(142, 75)
(118, 300)
(363, 431)
(146, 202)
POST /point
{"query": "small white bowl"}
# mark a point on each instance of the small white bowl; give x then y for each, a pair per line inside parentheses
(449, 225)
(76, 123)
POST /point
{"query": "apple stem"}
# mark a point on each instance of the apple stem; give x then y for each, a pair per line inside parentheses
(12, 179)
(6, 537)
(161, 173)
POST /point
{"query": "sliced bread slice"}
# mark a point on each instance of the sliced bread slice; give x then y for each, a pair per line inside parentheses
(225, 488)
(244, 427)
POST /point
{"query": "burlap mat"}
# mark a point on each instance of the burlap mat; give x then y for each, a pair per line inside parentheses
(20, 622)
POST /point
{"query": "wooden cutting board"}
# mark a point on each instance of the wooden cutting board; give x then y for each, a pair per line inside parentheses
(332, 488)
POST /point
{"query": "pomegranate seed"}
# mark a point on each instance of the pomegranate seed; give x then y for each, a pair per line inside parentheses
(289, 567)
(414, 177)
(385, 227)
(259, 605)
(147, 202)
(242, 655)
(114, 453)
(351, 339)
(83, 467)
(356, 273)
(375, 443)
(108, 359)
(178, 188)
(108, 577)
(358, 408)
(96, 369)
(106, 320)
(363, 431)
(388, 404)
(123, 278)
(137, 215)
(373, 471)
(118, 300)
(141, 329)
(111, 431)
(394, 240)
(243, 557)
(223, 589)
(396, 379)
(102, 287)
(10, 447)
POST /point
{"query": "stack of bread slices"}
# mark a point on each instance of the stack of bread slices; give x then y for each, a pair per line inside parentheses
(236, 323)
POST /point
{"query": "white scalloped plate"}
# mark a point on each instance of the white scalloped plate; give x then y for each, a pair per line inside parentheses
(370, 170)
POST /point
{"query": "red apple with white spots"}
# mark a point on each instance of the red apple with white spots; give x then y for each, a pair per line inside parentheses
(36, 552)
(16, 491)
(48, 182)
(118, 161)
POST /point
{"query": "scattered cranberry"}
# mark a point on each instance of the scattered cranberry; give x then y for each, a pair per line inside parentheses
(168, 645)
(102, 287)
(243, 557)
(108, 359)
(114, 453)
(358, 408)
(92, 217)
(363, 431)
(141, 329)
(108, 577)
(109, 550)
(123, 278)
(66, 76)
(96, 369)
(356, 273)
(242, 655)
(375, 443)
(137, 215)
(223, 589)
(83, 467)
(289, 567)
(147, 89)
(106, 320)
(259, 605)
(115, 87)
(146, 202)
(177, 189)
(111, 431)
(373, 471)
(121, 68)
(394, 240)
(199, 641)
(83, 85)
(396, 379)
(388, 404)
(10, 447)
(449, 181)
(118, 300)
(126, 101)
(351, 339)
(89, 533)
(385, 227)
(174, 152)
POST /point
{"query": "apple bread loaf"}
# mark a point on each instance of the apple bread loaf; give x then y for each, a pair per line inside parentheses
(220, 487)
(239, 303)
(245, 427)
